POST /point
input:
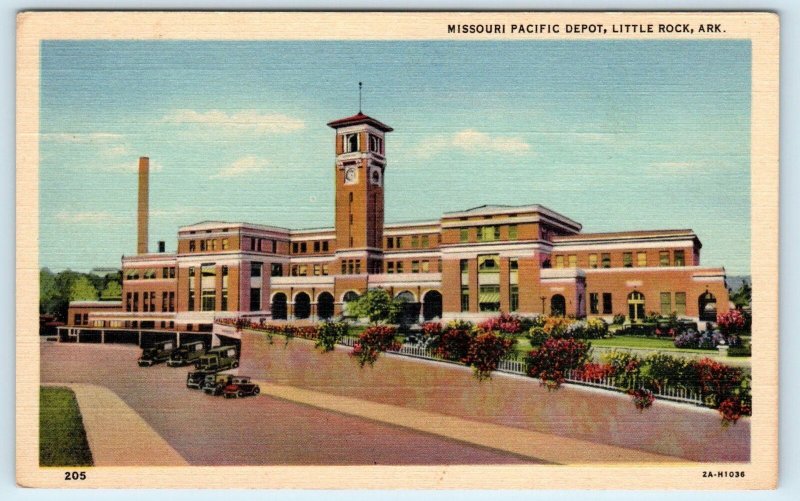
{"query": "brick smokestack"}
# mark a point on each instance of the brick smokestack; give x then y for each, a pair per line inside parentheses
(143, 212)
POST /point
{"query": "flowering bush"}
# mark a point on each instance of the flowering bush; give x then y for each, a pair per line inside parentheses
(556, 356)
(689, 339)
(619, 319)
(537, 336)
(374, 340)
(453, 343)
(431, 329)
(732, 322)
(625, 367)
(732, 409)
(485, 352)
(576, 330)
(505, 324)
(330, 333)
(660, 370)
(593, 372)
(556, 326)
(718, 382)
(596, 328)
(642, 398)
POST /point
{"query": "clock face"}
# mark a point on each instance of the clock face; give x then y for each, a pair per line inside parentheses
(350, 175)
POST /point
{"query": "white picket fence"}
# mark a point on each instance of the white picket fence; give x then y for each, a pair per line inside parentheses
(520, 368)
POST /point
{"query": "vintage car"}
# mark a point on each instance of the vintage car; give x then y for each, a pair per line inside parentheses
(219, 359)
(240, 386)
(159, 352)
(195, 379)
(215, 383)
(187, 353)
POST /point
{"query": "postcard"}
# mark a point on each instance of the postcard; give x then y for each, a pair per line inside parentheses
(371, 250)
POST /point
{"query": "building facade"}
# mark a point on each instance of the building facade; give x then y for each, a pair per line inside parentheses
(469, 264)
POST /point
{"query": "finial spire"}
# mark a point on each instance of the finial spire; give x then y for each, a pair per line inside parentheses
(359, 97)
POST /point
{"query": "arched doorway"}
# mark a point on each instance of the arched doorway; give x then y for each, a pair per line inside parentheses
(348, 298)
(302, 306)
(432, 305)
(636, 306)
(325, 305)
(707, 307)
(558, 306)
(409, 309)
(278, 307)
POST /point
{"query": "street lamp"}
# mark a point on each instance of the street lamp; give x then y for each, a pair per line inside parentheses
(542, 298)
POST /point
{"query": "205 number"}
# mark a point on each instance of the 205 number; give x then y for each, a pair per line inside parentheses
(74, 475)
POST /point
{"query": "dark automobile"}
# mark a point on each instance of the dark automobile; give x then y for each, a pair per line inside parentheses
(159, 352)
(219, 359)
(188, 353)
(241, 386)
(195, 379)
(214, 384)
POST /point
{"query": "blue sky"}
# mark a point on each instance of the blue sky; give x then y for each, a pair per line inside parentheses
(618, 135)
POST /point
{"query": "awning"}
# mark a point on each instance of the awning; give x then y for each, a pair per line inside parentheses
(489, 297)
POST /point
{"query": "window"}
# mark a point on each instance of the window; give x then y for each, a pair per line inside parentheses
(202, 245)
(317, 270)
(172, 272)
(464, 264)
(344, 268)
(559, 261)
(463, 235)
(415, 241)
(164, 296)
(375, 144)
(325, 246)
(325, 270)
(207, 287)
(414, 266)
(489, 282)
(426, 266)
(627, 259)
(666, 303)
(399, 267)
(464, 298)
(164, 272)
(213, 244)
(678, 258)
(399, 242)
(607, 304)
(573, 261)
(390, 267)
(128, 302)
(592, 260)
(358, 266)
(191, 299)
(350, 142)
(316, 246)
(149, 273)
(171, 301)
(224, 244)
(513, 297)
(295, 247)
(304, 247)
(512, 232)
(641, 259)
(77, 319)
(274, 246)
(496, 232)
(594, 303)
(302, 270)
(605, 260)
(192, 247)
(680, 303)
(276, 270)
(425, 241)
(479, 230)
(390, 243)
(663, 258)
(135, 301)
(255, 299)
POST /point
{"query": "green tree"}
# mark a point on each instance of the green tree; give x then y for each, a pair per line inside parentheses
(112, 290)
(48, 292)
(82, 289)
(376, 305)
(741, 298)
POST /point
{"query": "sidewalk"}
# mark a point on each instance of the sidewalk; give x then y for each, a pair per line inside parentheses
(526, 443)
(117, 435)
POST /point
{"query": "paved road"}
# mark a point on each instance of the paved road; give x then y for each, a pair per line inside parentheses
(252, 431)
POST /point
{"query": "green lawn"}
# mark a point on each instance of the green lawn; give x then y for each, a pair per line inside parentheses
(523, 346)
(62, 439)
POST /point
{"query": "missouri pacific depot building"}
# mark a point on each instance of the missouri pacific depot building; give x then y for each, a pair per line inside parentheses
(469, 264)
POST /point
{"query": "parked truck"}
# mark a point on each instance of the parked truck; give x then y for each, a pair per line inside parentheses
(188, 353)
(215, 383)
(219, 359)
(195, 379)
(159, 352)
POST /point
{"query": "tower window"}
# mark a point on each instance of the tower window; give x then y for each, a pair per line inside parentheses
(350, 143)
(375, 144)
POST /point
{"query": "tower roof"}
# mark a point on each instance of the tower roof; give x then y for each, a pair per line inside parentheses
(359, 118)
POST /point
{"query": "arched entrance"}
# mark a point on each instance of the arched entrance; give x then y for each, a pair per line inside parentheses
(409, 308)
(636, 306)
(432, 305)
(558, 306)
(325, 305)
(278, 307)
(302, 306)
(707, 307)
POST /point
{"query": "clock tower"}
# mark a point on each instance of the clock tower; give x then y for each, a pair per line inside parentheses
(360, 166)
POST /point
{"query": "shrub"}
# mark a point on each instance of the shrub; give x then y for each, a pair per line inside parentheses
(374, 340)
(537, 336)
(596, 328)
(534, 321)
(432, 329)
(718, 382)
(652, 317)
(732, 322)
(619, 319)
(576, 330)
(660, 370)
(643, 329)
(732, 409)
(689, 339)
(505, 324)
(329, 333)
(485, 352)
(593, 372)
(556, 356)
(556, 326)
(642, 398)
(377, 305)
(453, 343)
(625, 367)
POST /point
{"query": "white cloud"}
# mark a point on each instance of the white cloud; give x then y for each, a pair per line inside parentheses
(244, 166)
(91, 217)
(473, 141)
(246, 120)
